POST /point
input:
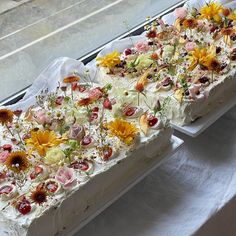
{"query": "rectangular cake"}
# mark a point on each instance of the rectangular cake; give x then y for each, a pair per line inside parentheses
(189, 63)
(71, 153)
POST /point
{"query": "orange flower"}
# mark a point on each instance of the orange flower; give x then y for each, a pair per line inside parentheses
(227, 31)
(213, 65)
(139, 87)
(85, 101)
(71, 79)
(17, 161)
(6, 116)
(39, 196)
(190, 23)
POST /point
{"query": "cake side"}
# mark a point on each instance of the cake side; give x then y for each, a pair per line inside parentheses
(191, 62)
(52, 155)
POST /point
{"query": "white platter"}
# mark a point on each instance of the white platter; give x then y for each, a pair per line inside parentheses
(175, 145)
(198, 126)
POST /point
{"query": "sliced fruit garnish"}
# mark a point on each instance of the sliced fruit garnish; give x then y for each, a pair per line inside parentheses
(107, 152)
(24, 207)
(143, 123)
(6, 189)
(51, 186)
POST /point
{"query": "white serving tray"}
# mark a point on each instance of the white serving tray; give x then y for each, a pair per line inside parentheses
(198, 126)
(175, 145)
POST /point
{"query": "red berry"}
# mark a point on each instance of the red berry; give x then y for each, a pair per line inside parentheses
(74, 86)
(7, 147)
(24, 207)
(153, 121)
(139, 87)
(226, 12)
(95, 109)
(107, 153)
(51, 187)
(93, 116)
(5, 189)
(128, 51)
(130, 111)
(83, 165)
(86, 140)
(107, 104)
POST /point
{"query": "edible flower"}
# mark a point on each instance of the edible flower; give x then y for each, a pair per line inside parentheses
(110, 60)
(6, 116)
(211, 11)
(124, 130)
(66, 177)
(200, 56)
(41, 141)
(17, 161)
(180, 13)
(54, 156)
(39, 196)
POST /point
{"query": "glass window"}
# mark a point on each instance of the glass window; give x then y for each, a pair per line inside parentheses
(34, 32)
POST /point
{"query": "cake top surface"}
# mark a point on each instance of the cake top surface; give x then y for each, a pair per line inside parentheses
(66, 138)
(185, 59)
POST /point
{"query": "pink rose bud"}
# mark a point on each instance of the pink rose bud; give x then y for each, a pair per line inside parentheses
(95, 93)
(190, 46)
(41, 117)
(3, 156)
(142, 46)
(76, 132)
(66, 177)
(180, 13)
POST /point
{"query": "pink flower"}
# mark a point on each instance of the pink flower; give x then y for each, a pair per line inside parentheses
(66, 177)
(95, 93)
(41, 117)
(180, 13)
(190, 46)
(3, 156)
(142, 46)
(76, 132)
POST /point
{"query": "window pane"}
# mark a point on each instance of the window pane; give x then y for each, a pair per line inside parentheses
(36, 32)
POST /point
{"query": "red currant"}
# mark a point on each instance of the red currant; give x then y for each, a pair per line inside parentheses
(24, 207)
(130, 111)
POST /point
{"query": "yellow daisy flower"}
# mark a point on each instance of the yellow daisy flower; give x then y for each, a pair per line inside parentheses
(211, 11)
(123, 129)
(41, 141)
(109, 60)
